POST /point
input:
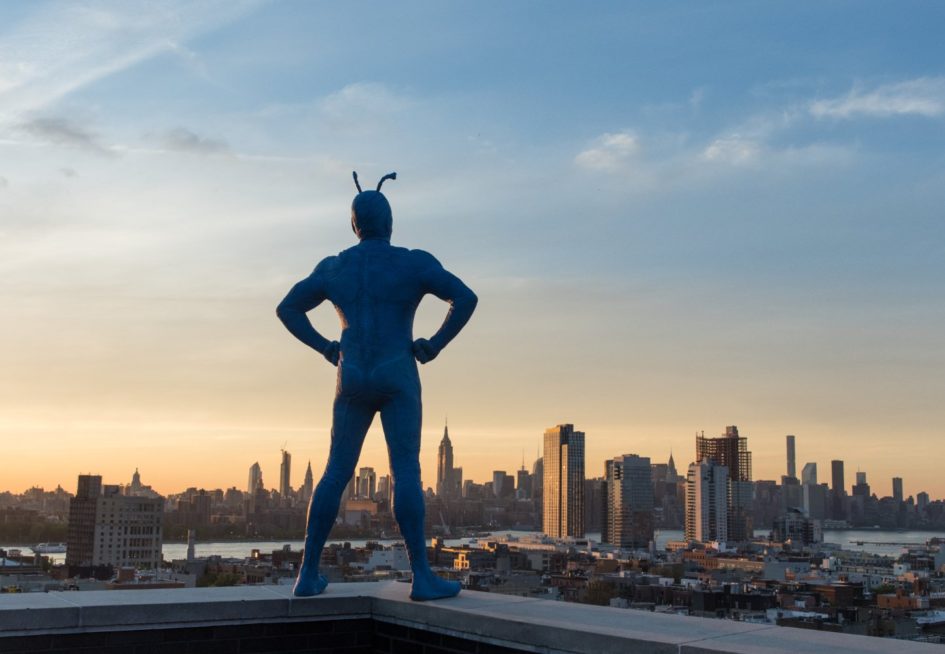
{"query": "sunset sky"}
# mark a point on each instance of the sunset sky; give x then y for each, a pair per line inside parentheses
(677, 217)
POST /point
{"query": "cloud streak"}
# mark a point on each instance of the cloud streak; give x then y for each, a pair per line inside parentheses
(924, 96)
(63, 47)
(182, 139)
(61, 131)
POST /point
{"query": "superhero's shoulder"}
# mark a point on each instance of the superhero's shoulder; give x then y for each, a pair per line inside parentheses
(329, 266)
(423, 260)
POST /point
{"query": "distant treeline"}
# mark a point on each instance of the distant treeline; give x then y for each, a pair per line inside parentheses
(21, 533)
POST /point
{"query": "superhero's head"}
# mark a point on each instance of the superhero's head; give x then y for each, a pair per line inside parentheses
(370, 211)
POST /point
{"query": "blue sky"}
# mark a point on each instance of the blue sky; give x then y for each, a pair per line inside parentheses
(677, 216)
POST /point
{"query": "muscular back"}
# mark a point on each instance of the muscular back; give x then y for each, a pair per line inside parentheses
(376, 289)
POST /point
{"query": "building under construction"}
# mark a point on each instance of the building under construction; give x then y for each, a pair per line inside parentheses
(731, 451)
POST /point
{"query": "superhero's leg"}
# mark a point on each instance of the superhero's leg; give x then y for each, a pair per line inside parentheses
(401, 418)
(351, 421)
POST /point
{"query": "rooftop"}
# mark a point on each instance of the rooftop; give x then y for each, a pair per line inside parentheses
(379, 617)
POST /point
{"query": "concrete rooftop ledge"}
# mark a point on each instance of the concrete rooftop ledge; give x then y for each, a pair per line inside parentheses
(492, 620)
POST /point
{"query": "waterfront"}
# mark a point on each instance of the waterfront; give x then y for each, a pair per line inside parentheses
(872, 541)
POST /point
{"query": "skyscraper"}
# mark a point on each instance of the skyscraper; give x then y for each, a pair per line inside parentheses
(308, 486)
(563, 483)
(836, 476)
(731, 451)
(285, 473)
(523, 484)
(255, 478)
(538, 480)
(861, 488)
(897, 489)
(595, 506)
(837, 491)
(503, 484)
(444, 467)
(383, 489)
(814, 495)
(707, 502)
(367, 483)
(791, 467)
(671, 474)
(629, 501)
(809, 474)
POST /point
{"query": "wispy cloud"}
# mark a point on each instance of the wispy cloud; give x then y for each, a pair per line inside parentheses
(363, 97)
(609, 151)
(62, 131)
(924, 96)
(364, 106)
(182, 139)
(62, 47)
(732, 149)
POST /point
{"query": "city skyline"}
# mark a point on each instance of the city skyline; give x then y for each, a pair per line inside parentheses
(666, 235)
(257, 472)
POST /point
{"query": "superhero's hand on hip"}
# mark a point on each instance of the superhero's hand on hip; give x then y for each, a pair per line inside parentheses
(331, 352)
(424, 350)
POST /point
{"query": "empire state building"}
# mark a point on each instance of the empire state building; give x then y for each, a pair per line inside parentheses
(449, 480)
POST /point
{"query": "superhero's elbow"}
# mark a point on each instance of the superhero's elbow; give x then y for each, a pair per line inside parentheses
(284, 311)
(472, 300)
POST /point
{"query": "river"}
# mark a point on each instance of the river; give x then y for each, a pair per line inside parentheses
(873, 541)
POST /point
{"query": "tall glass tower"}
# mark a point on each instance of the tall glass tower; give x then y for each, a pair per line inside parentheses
(563, 483)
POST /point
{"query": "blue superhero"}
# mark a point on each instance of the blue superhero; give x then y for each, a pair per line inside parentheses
(376, 288)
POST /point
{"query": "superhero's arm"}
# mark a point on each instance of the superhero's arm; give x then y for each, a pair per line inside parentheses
(305, 296)
(449, 288)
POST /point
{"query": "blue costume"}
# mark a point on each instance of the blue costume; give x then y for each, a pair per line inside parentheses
(376, 288)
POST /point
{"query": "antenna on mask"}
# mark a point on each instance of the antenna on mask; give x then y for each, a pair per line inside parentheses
(385, 178)
(355, 175)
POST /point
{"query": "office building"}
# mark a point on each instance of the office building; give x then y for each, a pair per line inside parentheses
(563, 483)
(285, 474)
(384, 489)
(815, 500)
(367, 483)
(838, 510)
(861, 488)
(595, 506)
(792, 493)
(629, 501)
(523, 484)
(798, 529)
(707, 502)
(255, 478)
(503, 484)
(538, 481)
(836, 476)
(110, 530)
(897, 489)
(809, 474)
